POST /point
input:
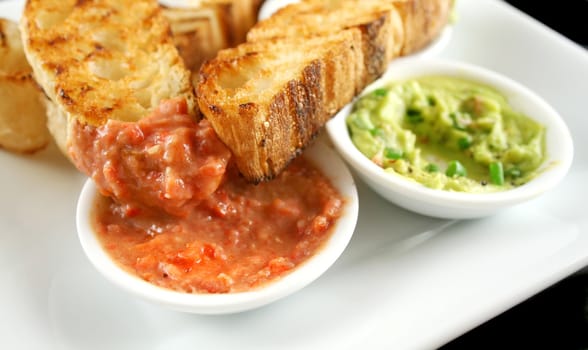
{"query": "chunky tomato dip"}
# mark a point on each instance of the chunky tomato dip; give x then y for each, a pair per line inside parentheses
(165, 160)
(177, 213)
(239, 238)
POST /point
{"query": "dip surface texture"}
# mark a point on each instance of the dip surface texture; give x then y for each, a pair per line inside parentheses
(449, 134)
(175, 211)
(237, 239)
(166, 160)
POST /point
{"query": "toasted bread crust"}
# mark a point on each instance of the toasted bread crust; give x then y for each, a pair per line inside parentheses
(107, 59)
(377, 46)
(266, 127)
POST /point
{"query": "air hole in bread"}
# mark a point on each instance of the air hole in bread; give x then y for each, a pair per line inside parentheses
(143, 87)
(109, 39)
(240, 71)
(108, 69)
(52, 17)
(143, 98)
(233, 81)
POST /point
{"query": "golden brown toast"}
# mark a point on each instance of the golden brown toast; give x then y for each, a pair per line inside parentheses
(378, 21)
(22, 116)
(392, 27)
(246, 92)
(267, 100)
(106, 59)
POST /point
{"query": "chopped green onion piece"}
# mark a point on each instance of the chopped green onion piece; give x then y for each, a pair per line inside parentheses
(362, 120)
(464, 143)
(432, 168)
(513, 172)
(392, 153)
(414, 115)
(455, 169)
(456, 121)
(413, 112)
(380, 92)
(496, 173)
(377, 132)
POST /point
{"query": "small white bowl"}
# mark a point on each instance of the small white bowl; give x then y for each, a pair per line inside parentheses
(322, 156)
(458, 205)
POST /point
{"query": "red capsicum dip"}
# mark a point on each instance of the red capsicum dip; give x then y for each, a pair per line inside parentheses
(176, 212)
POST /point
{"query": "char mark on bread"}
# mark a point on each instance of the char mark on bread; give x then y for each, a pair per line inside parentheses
(267, 100)
(101, 60)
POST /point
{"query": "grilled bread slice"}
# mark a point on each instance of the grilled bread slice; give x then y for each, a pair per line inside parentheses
(22, 116)
(380, 25)
(391, 28)
(261, 98)
(267, 100)
(103, 59)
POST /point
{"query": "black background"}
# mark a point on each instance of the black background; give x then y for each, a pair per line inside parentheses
(569, 17)
(556, 318)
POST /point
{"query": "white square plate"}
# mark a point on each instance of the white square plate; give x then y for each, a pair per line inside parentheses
(405, 281)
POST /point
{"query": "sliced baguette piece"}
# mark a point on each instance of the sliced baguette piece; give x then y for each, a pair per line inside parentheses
(267, 100)
(409, 25)
(378, 20)
(22, 116)
(103, 59)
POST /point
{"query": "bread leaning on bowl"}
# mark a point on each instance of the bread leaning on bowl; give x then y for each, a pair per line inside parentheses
(269, 97)
(267, 100)
(102, 60)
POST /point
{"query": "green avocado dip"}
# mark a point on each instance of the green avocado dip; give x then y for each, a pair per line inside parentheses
(449, 134)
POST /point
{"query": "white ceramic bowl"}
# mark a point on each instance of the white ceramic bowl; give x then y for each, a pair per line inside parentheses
(434, 48)
(457, 205)
(321, 155)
